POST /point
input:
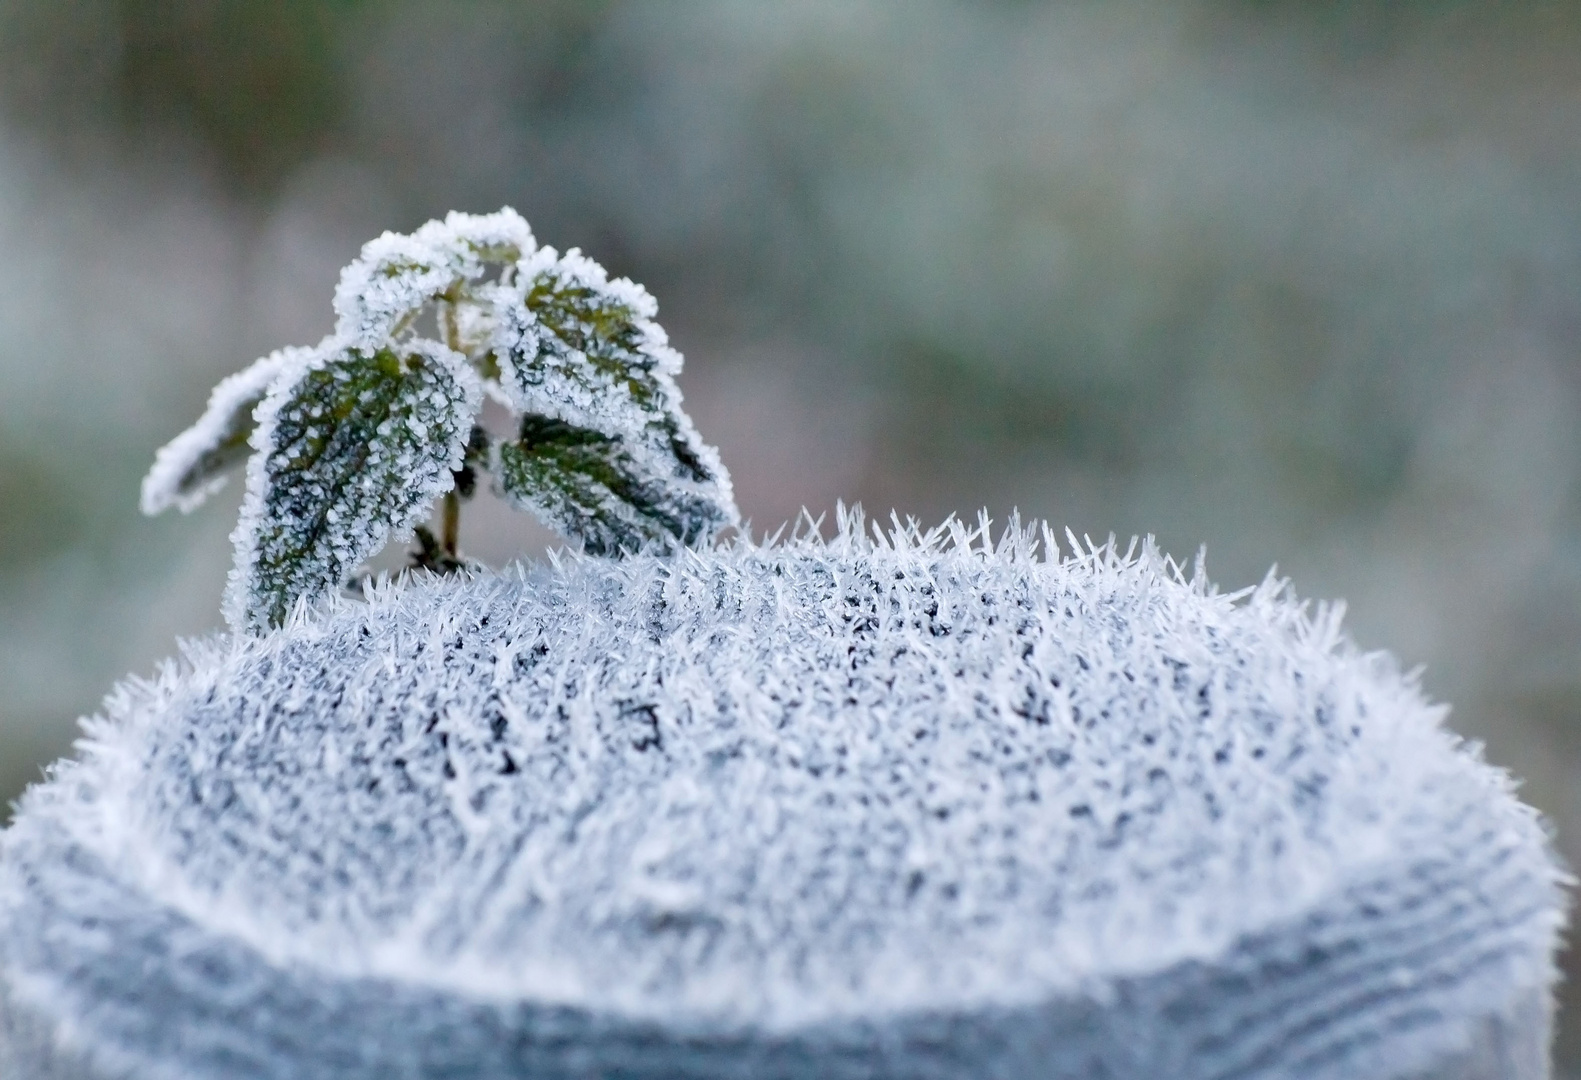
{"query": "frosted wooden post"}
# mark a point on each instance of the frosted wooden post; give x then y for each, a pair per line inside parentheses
(914, 808)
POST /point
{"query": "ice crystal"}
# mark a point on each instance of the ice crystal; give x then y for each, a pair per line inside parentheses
(906, 805)
(351, 440)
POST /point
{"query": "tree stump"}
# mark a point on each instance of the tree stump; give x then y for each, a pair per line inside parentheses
(919, 806)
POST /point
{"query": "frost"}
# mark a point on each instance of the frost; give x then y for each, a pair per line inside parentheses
(480, 240)
(355, 436)
(396, 275)
(909, 803)
(355, 447)
(191, 466)
(604, 451)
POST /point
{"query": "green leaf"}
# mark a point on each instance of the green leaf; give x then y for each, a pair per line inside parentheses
(353, 449)
(586, 485)
(605, 454)
(192, 465)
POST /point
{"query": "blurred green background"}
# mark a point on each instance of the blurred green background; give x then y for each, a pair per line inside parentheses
(1299, 280)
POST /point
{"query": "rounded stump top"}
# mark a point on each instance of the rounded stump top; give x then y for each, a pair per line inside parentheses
(898, 807)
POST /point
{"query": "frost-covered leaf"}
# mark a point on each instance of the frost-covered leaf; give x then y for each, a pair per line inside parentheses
(605, 453)
(384, 289)
(191, 467)
(588, 486)
(478, 240)
(353, 449)
(396, 275)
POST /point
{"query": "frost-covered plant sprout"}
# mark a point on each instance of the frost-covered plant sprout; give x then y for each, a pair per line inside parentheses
(351, 441)
(903, 803)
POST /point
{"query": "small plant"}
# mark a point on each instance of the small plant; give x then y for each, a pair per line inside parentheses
(350, 442)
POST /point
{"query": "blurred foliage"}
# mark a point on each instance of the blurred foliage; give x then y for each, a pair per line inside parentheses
(261, 83)
(40, 513)
(261, 86)
(947, 413)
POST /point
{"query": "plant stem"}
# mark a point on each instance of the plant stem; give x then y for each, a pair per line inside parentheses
(450, 533)
(450, 536)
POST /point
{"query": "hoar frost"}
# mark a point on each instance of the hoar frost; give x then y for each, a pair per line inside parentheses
(352, 440)
(919, 804)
